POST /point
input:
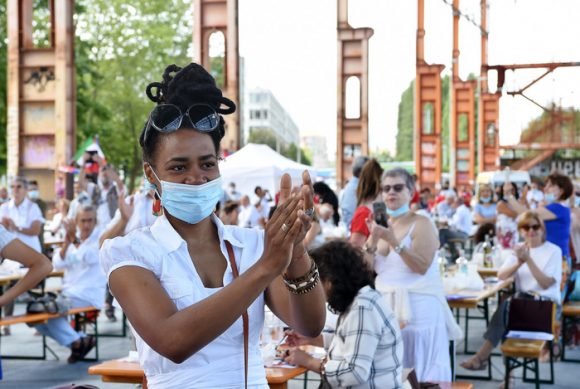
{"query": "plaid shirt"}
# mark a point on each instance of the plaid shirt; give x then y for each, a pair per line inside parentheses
(367, 348)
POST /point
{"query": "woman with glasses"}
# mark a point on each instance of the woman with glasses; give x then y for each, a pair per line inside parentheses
(537, 268)
(197, 322)
(367, 192)
(402, 255)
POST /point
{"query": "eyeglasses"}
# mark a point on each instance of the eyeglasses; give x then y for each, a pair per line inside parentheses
(16, 186)
(527, 227)
(397, 187)
(168, 118)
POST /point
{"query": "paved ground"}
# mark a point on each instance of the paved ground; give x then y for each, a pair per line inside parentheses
(19, 374)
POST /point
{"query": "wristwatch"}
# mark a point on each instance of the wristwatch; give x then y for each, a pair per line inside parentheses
(398, 248)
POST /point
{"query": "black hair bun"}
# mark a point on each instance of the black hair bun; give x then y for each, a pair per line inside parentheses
(189, 85)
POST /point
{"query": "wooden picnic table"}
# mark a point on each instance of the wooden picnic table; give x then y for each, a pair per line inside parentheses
(485, 272)
(131, 373)
(8, 278)
(474, 297)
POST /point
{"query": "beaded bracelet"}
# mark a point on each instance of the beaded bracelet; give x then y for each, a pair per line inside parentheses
(305, 283)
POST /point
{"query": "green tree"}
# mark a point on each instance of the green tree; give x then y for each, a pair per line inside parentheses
(405, 134)
(123, 48)
(291, 151)
(263, 136)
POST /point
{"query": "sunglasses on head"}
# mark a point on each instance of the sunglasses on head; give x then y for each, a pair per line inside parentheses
(397, 187)
(527, 227)
(168, 118)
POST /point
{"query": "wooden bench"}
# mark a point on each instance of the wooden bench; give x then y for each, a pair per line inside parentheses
(131, 372)
(529, 351)
(570, 311)
(81, 316)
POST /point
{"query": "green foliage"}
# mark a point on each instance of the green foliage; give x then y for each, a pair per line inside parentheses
(263, 136)
(119, 50)
(405, 134)
(383, 156)
(291, 151)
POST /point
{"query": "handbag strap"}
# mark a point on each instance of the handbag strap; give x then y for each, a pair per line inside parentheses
(244, 315)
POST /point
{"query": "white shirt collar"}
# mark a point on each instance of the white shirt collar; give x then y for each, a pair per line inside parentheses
(164, 232)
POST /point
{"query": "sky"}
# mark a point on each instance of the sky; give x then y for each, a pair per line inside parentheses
(290, 47)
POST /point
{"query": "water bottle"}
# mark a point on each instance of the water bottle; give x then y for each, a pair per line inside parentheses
(462, 263)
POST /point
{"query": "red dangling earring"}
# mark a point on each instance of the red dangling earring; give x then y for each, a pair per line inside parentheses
(157, 206)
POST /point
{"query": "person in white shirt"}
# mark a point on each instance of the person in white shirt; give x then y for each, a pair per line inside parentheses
(535, 195)
(459, 226)
(537, 268)
(83, 284)
(104, 194)
(233, 194)
(21, 216)
(446, 209)
(133, 212)
(245, 212)
(38, 266)
(190, 285)
(265, 199)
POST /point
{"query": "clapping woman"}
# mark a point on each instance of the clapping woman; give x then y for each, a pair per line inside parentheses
(193, 288)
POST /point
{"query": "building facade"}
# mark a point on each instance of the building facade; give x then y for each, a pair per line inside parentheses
(263, 111)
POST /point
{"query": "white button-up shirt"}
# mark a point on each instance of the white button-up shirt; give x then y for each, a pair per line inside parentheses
(23, 216)
(161, 250)
(6, 237)
(83, 278)
(462, 219)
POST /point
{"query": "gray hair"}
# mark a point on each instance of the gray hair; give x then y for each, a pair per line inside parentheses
(358, 164)
(400, 172)
(21, 180)
(87, 208)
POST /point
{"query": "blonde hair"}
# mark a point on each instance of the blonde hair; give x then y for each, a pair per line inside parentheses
(526, 217)
(485, 186)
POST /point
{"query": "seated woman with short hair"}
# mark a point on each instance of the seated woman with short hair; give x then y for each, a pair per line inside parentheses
(367, 349)
(537, 268)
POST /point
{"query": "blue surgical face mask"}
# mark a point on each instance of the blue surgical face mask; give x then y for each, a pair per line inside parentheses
(398, 212)
(485, 200)
(550, 198)
(190, 203)
(577, 201)
(146, 186)
(33, 194)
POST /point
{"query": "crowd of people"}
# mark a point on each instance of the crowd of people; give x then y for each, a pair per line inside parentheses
(193, 263)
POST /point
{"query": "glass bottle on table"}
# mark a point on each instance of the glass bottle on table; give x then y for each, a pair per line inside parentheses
(462, 263)
(487, 253)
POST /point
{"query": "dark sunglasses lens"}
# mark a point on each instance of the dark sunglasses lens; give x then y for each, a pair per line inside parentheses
(166, 118)
(396, 187)
(203, 117)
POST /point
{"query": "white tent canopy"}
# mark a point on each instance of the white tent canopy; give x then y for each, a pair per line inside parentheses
(259, 165)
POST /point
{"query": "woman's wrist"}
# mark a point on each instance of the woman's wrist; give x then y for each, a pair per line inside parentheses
(299, 265)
